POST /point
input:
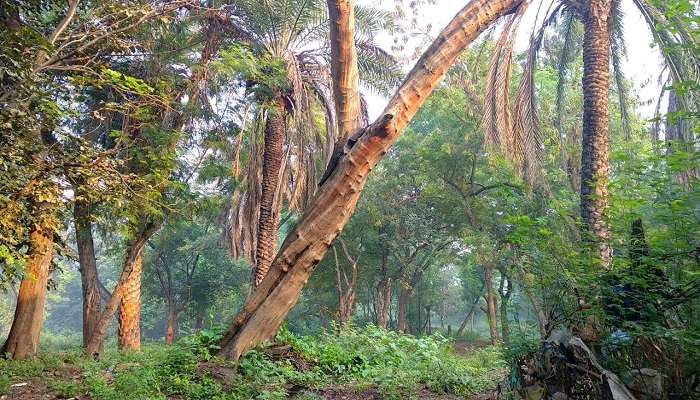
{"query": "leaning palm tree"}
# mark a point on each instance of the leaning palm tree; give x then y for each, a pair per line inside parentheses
(289, 80)
(513, 128)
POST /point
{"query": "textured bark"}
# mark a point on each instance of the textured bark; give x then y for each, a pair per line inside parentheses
(23, 339)
(91, 288)
(129, 329)
(134, 250)
(305, 246)
(273, 153)
(491, 306)
(345, 74)
(595, 167)
(171, 326)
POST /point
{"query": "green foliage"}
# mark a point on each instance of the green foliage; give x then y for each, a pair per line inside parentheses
(396, 365)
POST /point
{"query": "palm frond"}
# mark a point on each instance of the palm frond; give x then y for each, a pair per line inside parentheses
(618, 51)
(526, 129)
(497, 121)
(569, 52)
(379, 70)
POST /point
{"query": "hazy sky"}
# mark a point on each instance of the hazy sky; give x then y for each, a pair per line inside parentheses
(643, 65)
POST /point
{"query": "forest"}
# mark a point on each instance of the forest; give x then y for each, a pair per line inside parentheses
(350, 199)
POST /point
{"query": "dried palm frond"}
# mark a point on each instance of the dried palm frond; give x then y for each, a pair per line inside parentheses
(526, 130)
(497, 121)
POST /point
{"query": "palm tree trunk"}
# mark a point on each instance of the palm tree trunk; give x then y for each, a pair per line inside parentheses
(335, 202)
(595, 167)
(275, 129)
(132, 260)
(92, 299)
(23, 339)
(129, 329)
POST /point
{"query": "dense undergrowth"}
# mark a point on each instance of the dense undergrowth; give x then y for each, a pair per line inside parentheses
(353, 360)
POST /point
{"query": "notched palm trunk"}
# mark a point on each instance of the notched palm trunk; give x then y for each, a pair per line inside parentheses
(595, 167)
(305, 246)
(275, 129)
(129, 328)
(23, 339)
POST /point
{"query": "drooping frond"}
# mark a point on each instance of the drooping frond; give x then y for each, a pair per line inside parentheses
(569, 52)
(379, 70)
(618, 52)
(497, 120)
(675, 45)
(526, 130)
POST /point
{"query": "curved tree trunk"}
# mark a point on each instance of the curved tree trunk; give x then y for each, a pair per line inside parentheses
(335, 202)
(266, 246)
(129, 329)
(471, 311)
(23, 339)
(595, 167)
(91, 288)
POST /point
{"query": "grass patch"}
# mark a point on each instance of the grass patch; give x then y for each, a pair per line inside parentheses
(392, 364)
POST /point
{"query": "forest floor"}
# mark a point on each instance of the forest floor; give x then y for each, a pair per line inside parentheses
(351, 366)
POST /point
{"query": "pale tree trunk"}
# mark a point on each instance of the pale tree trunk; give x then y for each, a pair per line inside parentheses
(491, 306)
(273, 154)
(91, 288)
(333, 205)
(23, 339)
(345, 74)
(595, 167)
(506, 291)
(129, 317)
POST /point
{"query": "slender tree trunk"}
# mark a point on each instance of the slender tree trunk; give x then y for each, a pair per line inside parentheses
(171, 327)
(404, 296)
(470, 313)
(275, 129)
(595, 167)
(129, 329)
(505, 326)
(199, 322)
(383, 302)
(491, 306)
(23, 339)
(91, 288)
(335, 201)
